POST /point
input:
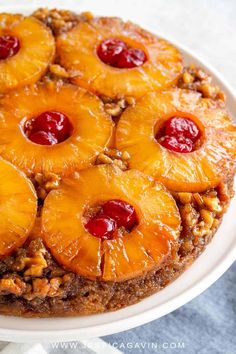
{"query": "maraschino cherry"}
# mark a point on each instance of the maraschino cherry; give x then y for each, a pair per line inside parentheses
(101, 226)
(113, 215)
(182, 126)
(118, 54)
(179, 134)
(49, 128)
(177, 144)
(9, 46)
(123, 213)
(43, 138)
(130, 58)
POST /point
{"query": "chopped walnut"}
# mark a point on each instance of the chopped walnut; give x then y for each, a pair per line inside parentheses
(115, 107)
(60, 20)
(12, 286)
(35, 265)
(213, 204)
(114, 156)
(200, 230)
(200, 213)
(58, 71)
(189, 215)
(103, 159)
(54, 287)
(42, 288)
(44, 183)
(37, 274)
(186, 246)
(187, 78)
(185, 198)
(207, 217)
(194, 78)
(32, 264)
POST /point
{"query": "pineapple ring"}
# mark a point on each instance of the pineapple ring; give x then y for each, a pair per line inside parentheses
(36, 52)
(92, 128)
(18, 208)
(77, 52)
(121, 258)
(192, 172)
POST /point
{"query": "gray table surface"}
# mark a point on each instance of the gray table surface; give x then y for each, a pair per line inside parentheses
(206, 325)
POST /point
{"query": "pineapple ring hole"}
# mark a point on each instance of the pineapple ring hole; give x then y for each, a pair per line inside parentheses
(120, 54)
(9, 46)
(48, 128)
(111, 218)
(179, 132)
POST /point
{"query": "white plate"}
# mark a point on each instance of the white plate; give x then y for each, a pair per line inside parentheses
(216, 259)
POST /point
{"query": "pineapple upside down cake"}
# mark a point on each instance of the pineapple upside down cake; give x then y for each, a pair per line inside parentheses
(116, 163)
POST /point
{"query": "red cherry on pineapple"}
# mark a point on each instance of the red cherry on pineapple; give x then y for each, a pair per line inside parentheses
(116, 53)
(54, 124)
(110, 49)
(123, 213)
(101, 226)
(9, 46)
(43, 138)
(131, 58)
(177, 144)
(182, 126)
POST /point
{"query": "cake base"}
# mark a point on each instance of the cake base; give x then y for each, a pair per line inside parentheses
(36, 286)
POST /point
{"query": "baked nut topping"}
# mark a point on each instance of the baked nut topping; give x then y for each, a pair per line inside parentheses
(60, 21)
(117, 163)
(11, 286)
(114, 156)
(196, 79)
